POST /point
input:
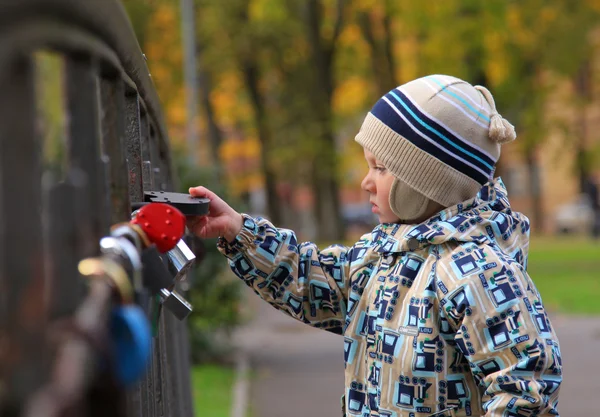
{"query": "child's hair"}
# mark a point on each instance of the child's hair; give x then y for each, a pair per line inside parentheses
(440, 137)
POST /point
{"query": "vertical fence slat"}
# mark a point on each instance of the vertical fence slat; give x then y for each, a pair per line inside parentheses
(186, 384)
(146, 128)
(134, 151)
(65, 207)
(148, 386)
(180, 363)
(167, 371)
(158, 376)
(177, 347)
(173, 338)
(177, 351)
(23, 363)
(113, 132)
(132, 146)
(181, 351)
(154, 158)
(146, 156)
(84, 144)
(164, 164)
(158, 366)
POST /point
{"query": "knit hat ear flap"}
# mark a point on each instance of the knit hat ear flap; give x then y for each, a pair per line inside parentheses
(409, 205)
(501, 131)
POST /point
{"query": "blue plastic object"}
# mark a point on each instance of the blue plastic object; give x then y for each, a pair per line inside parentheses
(132, 338)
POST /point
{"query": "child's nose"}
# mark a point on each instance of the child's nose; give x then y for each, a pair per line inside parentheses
(367, 184)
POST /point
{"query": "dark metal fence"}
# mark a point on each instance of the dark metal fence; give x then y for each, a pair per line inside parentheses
(114, 147)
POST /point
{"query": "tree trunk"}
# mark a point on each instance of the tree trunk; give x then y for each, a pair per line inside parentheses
(583, 91)
(251, 77)
(388, 44)
(327, 211)
(535, 191)
(330, 223)
(324, 182)
(250, 69)
(382, 61)
(215, 137)
(581, 155)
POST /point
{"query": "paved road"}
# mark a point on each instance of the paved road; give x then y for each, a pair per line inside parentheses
(298, 371)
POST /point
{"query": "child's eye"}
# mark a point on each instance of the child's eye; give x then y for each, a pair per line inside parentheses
(380, 169)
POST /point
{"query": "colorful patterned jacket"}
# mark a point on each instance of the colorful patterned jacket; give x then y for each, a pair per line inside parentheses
(438, 319)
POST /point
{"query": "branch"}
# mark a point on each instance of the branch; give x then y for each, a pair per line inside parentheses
(365, 25)
(388, 43)
(339, 23)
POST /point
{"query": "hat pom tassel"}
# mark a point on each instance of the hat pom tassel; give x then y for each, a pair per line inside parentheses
(501, 131)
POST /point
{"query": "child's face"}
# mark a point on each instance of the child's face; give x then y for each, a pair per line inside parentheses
(377, 183)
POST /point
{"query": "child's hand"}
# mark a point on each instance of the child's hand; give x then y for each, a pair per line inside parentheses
(221, 220)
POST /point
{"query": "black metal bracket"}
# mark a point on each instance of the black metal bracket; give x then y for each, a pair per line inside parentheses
(188, 205)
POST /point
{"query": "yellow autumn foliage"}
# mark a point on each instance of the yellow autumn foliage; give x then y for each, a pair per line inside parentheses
(366, 5)
(351, 96)
(165, 60)
(496, 68)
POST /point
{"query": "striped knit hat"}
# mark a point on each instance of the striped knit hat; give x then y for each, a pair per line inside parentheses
(440, 137)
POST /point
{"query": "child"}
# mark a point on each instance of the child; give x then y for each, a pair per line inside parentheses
(437, 311)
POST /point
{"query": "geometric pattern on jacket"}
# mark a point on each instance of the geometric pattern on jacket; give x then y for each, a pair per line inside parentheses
(438, 319)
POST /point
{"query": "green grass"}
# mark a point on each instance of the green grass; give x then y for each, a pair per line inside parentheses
(212, 385)
(566, 271)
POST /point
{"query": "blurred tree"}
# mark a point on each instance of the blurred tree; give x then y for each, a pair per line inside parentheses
(584, 94)
(574, 40)
(323, 27)
(537, 41)
(516, 72)
(375, 21)
(164, 51)
(286, 83)
(239, 53)
(282, 62)
(213, 131)
(248, 58)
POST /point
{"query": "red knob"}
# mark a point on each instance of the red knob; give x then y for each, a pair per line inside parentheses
(163, 224)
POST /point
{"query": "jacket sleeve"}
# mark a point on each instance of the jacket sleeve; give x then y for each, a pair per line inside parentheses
(496, 319)
(298, 279)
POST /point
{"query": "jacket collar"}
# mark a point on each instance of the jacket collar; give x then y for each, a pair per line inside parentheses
(395, 237)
